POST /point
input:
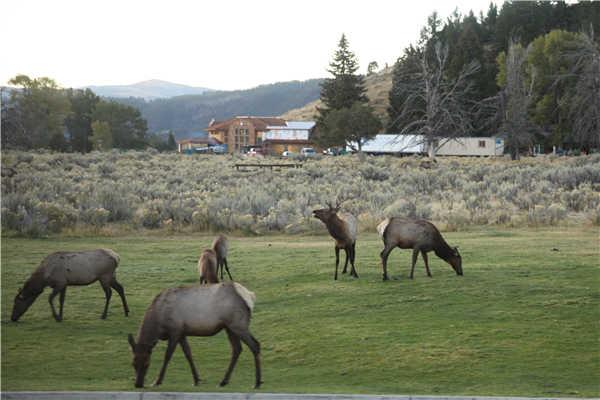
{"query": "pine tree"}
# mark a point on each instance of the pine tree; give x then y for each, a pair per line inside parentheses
(346, 87)
(342, 91)
(171, 143)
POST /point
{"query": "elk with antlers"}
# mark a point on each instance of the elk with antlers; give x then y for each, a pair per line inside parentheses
(342, 227)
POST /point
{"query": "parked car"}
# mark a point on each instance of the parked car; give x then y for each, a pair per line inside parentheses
(254, 152)
(308, 152)
(334, 151)
(288, 153)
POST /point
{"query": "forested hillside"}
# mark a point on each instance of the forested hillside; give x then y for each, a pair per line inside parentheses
(191, 114)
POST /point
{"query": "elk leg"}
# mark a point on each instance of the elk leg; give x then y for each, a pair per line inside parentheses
(254, 346)
(337, 261)
(185, 346)
(117, 286)
(226, 268)
(347, 252)
(61, 299)
(352, 255)
(426, 263)
(55, 291)
(236, 349)
(414, 261)
(170, 348)
(108, 294)
(384, 257)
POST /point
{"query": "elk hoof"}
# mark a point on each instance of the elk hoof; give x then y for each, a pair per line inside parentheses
(257, 386)
(223, 383)
(58, 319)
(157, 383)
(385, 278)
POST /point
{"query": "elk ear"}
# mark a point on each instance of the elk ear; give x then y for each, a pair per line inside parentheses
(131, 341)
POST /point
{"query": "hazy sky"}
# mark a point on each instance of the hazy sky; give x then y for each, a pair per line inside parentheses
(221, 44)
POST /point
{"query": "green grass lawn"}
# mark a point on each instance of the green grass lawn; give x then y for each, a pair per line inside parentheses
(524, 319)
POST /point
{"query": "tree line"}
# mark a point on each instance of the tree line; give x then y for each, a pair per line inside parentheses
(527, 72)
(40, 114)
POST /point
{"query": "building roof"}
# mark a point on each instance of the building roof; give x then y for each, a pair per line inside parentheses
(295, 125)
(260, 123)
(386, 143)
(199, 140)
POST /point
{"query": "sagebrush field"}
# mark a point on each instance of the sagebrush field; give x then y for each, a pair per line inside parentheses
(523, 320)
(104, 193)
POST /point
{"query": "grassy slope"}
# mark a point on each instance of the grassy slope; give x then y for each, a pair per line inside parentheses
(524, 320)
(378, 88)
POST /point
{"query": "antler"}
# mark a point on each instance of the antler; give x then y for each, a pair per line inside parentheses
(339, 200)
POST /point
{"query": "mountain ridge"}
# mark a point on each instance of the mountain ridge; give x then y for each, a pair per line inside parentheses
(148, 89)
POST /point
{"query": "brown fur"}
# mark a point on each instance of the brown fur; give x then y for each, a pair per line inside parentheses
(221, 246)
(202, 310)
(62, 269)
(421, 236)
(207, 267)
(343, 230)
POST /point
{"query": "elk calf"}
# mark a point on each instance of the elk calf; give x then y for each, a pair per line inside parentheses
(342, 227)
(421, 236)
(207, 267)
(220, 246)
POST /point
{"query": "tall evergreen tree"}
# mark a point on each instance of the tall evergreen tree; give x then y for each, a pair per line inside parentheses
(171, 142)
(346, 87)
(342, 91)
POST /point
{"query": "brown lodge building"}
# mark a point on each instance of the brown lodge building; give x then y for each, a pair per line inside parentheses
(273, 135)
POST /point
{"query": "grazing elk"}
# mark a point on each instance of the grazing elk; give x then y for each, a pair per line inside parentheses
(61, 269)
(195, 311)
(421, 236)
(220, 246)
(207, 267)
(342, 227)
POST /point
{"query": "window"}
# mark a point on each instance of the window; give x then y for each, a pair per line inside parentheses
(482, 143)
(240, 138)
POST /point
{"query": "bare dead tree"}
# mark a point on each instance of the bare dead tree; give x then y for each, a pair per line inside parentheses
(437, 107)
(508, 111)
(584, 109)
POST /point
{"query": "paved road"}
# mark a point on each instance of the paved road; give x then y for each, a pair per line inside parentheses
(236, 396)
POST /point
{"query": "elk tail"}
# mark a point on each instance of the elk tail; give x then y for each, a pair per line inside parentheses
(248, 296)
(113, 255)
(382, 226)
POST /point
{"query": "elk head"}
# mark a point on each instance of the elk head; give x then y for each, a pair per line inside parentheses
(23, 300)
(455, 261)
(325, 214)
(141, 360)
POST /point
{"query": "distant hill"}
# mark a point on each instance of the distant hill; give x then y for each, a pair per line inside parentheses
(152, 89)
(189, 115)
(378, 87)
